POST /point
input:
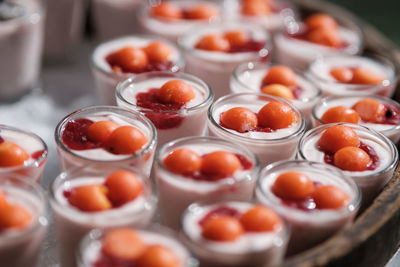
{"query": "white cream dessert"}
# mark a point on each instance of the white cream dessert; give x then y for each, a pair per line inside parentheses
(381, 153)
(106, 78)
(180, 17)
(76, 215)
(249, 78)
(264, 246)
(312, 219)
(172, 119)
(76, 148)
(22, 234)
(113, 18)
(320, 72)
(386, 121)
(270, 145)
(21, 36)
(177, 190)
(33, 152)
(212, 53)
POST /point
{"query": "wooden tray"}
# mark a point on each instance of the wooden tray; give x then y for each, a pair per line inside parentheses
(375, 236)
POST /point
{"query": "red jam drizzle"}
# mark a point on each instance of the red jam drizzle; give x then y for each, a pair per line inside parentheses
(372, 165)
(151, 66)
(1, 140)
(250, 46)
(74, 135)
(159, 114)
(307, 204)
(392, 115)
(107, 261)
(220, 211)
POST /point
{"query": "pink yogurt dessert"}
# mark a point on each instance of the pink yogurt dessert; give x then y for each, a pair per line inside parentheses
(114, 18)
(64, 26)
(213, 52)
(23, 221)
(353, 75)
(21, 153)
(108, 136)
(98, 196)
(173, 19)
(116, 60)
(319, 35)
(381, 114)
(21, 36)
(249, 119)
(235, 234)
(365, 155)
(256, 77)
(197, 168)
(176, 103)
(316, 199)
(150, 247)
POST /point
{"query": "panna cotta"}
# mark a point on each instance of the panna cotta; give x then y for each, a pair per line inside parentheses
(106, 135)
(381, 114)
(22, 153)
(267, 125)
(364, 154)
(235, 234)
(176, 103)
(353, 75)
(116, 60)
(133, 247)
(197, 168)
(316, 199)
(21, 38)
(320, 35)
(173, 19)
(276, 80)
(98, 196)
(213, 52)
(23, 221)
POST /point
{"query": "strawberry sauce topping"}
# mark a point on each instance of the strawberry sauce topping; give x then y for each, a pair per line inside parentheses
(392, 115)
(220, 211)
(75, 137)
(107, 261)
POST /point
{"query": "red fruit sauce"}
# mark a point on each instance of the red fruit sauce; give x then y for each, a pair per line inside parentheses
(307, 204)
(250, 46)
(151, 66)
(107, 261)
(158, 113)
(1, 140)
(220, 211)
(372, 165)
(392, 115)
(75, 137)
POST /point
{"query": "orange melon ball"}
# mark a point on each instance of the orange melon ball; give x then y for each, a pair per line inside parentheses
(130, 59)
(278, 90)
(255, 8)
(276, 115)
(14, 216)
(292, 185)
(220, 163)
(158, 51)
(158, 256)
(183, 161)
(12, 155)
(260, 219)
(317, 21)
(90, 198)
(176, 92)
(330, 197)
(222, 229)
(202, 11)
(122, 187)
(100, 131)
(237, 38)
(3, 199)
(280, 75)
(239, 119)
(337, 137)
(343, 75)
(167, 10)
(363, 76)
(340, 114)
(325, 37)
(351, 159)
(126, 140)
(370, 110)
(213, 42)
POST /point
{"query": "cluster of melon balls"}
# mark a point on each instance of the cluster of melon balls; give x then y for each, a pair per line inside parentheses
(279, 81)
(132, 59)
(223, 42)
(367, 109)
(322, 29)
(356, 75)
(172, 11)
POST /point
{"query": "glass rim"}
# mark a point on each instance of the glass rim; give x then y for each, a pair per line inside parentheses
(122, 86)
(39, 9)
(298, 132)
(113, 109)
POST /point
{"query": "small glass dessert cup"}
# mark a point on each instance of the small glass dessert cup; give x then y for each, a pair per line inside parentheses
(213, 52)
(235, 233)
(268, 143)
(271, 15)
(301, 43)
(64, 27)
(115, 60)
(365, 155)
(77, 147)
(379, 113)
(154, 245)
(173, 19)
(311, 218)
(23, 221)
(21, 153)
(21, 46)
(172, 119)
(232, 176)
(98, 196)
(113, 18)
(353, 75)
(249, 77)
